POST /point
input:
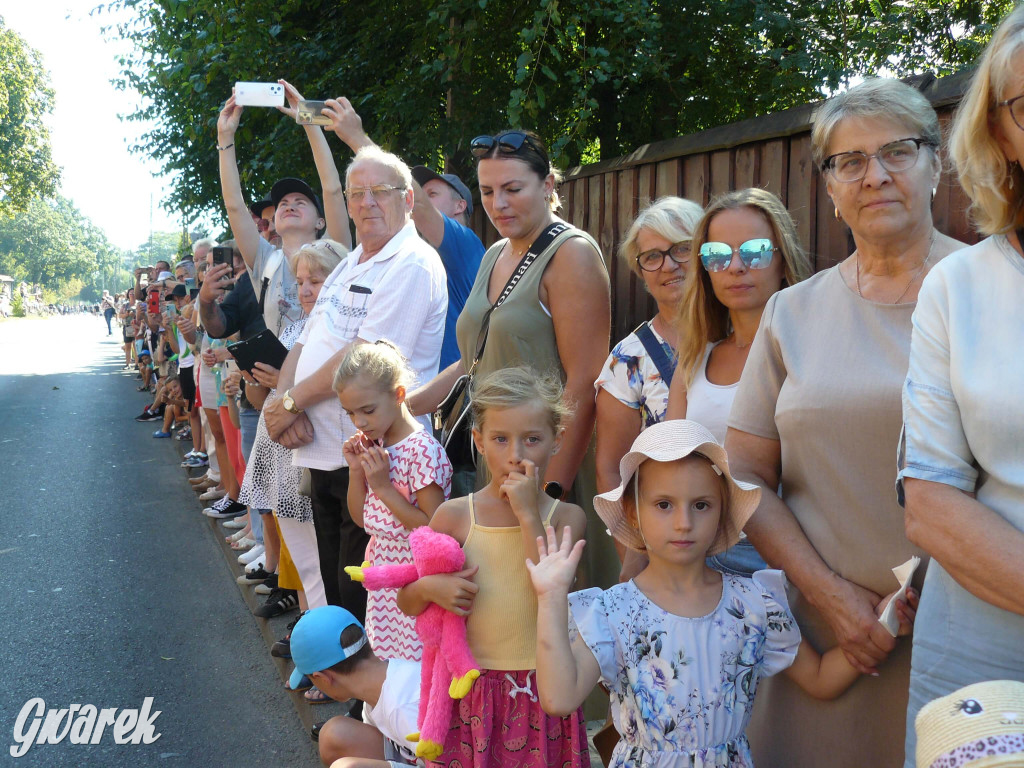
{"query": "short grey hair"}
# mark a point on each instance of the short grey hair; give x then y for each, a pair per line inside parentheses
(188, 265)
(670, 217)
(374, 154)
(877, 98)
(205, 242)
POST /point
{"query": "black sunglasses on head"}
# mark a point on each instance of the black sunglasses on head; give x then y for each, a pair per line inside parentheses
(508, 143)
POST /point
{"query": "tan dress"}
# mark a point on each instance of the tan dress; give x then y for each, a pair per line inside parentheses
(824, 377)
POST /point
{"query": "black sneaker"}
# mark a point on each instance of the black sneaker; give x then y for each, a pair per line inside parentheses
(225, 507)
(282, 649)
(279, 602)
(147, 416)
(256, 577)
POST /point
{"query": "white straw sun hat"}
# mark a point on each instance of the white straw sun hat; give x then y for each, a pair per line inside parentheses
(979, 726)
(671, 441)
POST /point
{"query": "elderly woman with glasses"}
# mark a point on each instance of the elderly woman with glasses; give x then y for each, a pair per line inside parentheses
(817, 417)
(558, 314)
(632, 390)
(961, 464)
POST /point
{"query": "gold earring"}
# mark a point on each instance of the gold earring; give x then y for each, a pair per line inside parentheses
(839, 216)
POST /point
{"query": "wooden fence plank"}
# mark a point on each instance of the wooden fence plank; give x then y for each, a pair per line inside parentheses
(721, 172)
(695, 179)
(747, 167)
(801, 189)
(775, 168)
(668, 175)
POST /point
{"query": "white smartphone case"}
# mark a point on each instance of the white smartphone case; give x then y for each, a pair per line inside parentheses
(259, 94)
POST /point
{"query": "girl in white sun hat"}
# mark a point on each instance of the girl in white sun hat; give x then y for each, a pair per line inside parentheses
(681, 647)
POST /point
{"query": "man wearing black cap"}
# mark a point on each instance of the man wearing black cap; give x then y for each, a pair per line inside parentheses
(441, 210)
(299, 218)
(263, 217)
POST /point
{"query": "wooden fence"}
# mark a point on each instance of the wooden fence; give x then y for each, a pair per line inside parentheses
(773, 152)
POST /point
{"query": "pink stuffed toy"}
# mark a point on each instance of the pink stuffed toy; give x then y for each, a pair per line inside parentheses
(432, 552)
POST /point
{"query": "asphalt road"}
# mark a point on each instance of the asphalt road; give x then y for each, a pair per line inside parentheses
(112, 586)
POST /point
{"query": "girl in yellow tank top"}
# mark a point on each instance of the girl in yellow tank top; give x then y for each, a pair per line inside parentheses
(517, 415)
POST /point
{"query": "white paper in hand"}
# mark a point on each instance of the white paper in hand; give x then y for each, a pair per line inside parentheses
(903, 573)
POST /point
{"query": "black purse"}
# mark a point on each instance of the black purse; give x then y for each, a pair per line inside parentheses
(453, 422)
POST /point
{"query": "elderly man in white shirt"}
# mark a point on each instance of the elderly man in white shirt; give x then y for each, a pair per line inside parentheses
(392, 286)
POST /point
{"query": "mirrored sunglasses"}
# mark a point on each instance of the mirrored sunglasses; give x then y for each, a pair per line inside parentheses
(755, 254)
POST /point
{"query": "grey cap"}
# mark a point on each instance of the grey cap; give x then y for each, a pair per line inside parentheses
(422, 174)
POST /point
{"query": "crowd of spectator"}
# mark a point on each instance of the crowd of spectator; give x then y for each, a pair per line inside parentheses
(781, 396)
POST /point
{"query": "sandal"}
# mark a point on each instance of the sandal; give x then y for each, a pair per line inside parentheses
(315, 696)
(304, 684)
(243, 543)
(236, 536)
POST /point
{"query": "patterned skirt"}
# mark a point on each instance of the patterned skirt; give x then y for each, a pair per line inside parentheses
(500, 724)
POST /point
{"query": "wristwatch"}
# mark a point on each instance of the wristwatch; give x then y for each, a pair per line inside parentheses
(289, 402)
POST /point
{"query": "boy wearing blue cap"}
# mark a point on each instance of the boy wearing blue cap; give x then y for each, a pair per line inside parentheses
(329, 645)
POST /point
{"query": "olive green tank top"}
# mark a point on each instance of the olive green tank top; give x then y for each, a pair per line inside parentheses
(520, 332)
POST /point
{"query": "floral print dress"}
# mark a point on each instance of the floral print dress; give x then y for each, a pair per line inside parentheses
(682, 689)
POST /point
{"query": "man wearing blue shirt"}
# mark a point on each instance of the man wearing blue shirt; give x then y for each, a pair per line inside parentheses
(441, 210)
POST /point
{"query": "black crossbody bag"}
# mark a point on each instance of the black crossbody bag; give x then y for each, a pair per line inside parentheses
(453, 425)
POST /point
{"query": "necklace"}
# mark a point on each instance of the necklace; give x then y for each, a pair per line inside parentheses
(732, 340)
(920, 269)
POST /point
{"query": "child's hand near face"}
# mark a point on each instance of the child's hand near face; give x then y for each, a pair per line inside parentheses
(556, 570)
(352, 450)
(376, 465)
(520, 488)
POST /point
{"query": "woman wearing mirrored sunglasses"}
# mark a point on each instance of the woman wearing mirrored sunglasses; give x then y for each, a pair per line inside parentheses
(818, 410)
(745, 250)
(962, 467)
(558, 316)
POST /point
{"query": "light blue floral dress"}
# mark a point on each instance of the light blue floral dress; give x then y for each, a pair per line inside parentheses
(682, 689)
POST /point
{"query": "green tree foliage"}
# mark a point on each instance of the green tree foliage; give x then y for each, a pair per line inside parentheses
(51, 243)
(26, 169)
(596, 78)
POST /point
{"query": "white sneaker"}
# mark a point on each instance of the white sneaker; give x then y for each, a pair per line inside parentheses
(251, 555)
(213, 494)
(262, 589)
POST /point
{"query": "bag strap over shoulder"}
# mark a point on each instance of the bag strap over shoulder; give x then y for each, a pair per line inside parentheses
(656, 352)
(536, 249)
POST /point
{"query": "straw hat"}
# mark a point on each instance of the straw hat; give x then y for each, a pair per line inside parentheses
(671, 441)
(980, 726)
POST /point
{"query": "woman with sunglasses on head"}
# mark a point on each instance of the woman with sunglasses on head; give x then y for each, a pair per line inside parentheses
(556, 317)
(633, 387)
(961, 464)
(745, 250)
(818, 412)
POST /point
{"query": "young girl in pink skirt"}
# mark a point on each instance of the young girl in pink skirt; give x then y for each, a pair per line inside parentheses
(398, 476)
(517, 416)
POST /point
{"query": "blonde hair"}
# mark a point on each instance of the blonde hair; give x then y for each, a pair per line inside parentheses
(320, 256)
(380, 363)
(875, 98)
(512, 387)
(672, 218)
(994, 185)
(702, 317)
